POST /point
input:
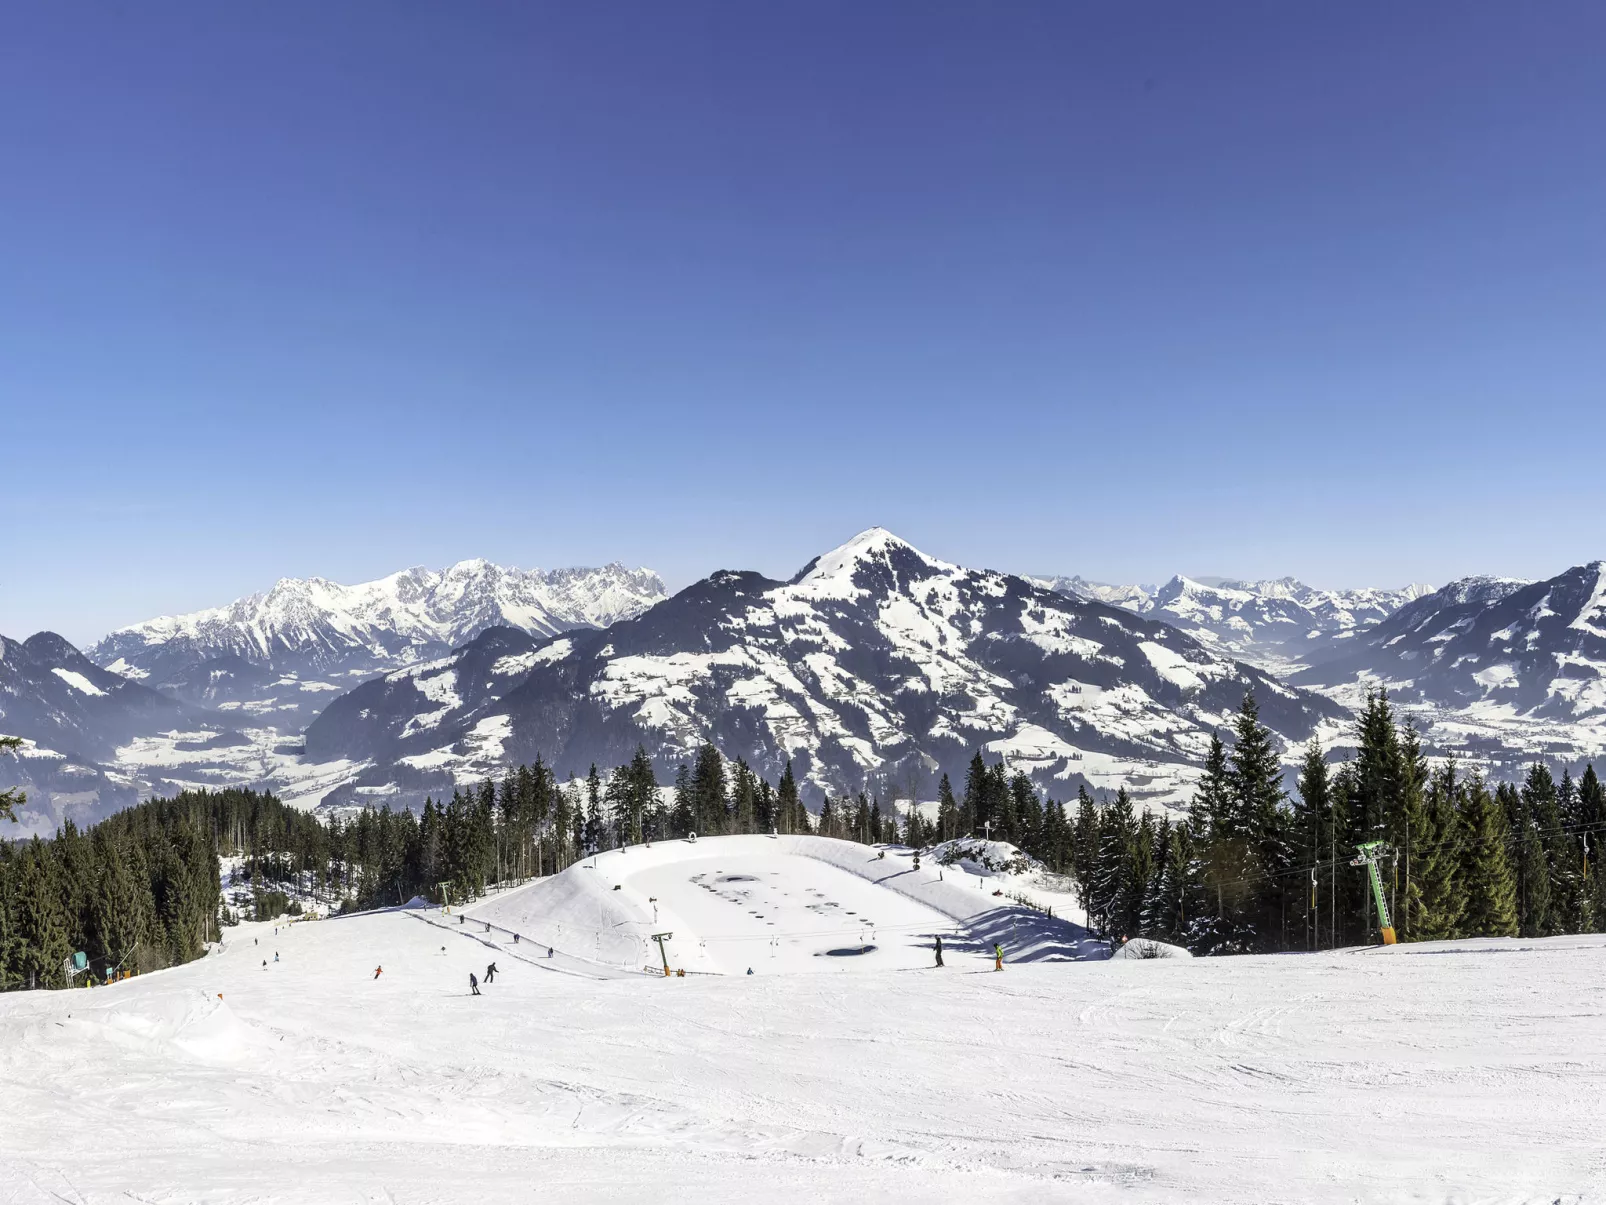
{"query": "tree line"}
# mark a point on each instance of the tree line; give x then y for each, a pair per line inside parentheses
(1250, 867)
(1253, 868)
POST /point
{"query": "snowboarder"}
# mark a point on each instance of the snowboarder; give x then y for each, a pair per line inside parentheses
(378, 971)
(939, 949)
(998, 957)
(490, 973)
(473, 983)
(549, 951)
(749, 970)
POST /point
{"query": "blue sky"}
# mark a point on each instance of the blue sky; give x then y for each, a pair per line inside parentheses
(1122, 290)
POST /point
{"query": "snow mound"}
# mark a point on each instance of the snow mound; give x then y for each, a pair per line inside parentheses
(984, 857)
(1145, 948)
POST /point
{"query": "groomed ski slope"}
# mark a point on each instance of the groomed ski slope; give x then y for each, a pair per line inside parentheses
(1461, 1072)
(775, 905)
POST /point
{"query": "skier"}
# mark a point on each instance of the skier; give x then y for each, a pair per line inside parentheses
(939, 949)
(378, 971)
(264, 964)
(749, 970)
(549, 951)
(276, 956)
(490, 972)
(998, 957)
(473, 983)
(255, 942)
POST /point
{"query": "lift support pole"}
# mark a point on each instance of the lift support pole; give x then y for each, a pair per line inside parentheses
(1368, 855)
(660, 938)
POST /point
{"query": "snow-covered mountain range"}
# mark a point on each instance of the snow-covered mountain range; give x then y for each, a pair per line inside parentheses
(874, 663)
(1274, 624)
(73, 716)
(1499, 666)
(280, 655)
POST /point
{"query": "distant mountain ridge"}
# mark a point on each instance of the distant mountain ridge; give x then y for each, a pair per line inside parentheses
(279, 655)
(1272, 624)
(73, 716)
(874, 661)
(1535, 649)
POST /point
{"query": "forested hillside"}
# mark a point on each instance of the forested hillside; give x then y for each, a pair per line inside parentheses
(1250, 869)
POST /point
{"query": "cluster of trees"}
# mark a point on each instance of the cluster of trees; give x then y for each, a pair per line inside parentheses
(136, 892)
(1255, 869)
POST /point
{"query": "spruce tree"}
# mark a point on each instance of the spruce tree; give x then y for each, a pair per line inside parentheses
(683, 815)
(788, 806)
(1313, 837)
(1485, 868)
(1437, 895)
(1210, 811)
(947, 811)
(12, 798)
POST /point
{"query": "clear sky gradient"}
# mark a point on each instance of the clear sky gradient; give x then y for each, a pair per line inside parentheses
(1119, 290)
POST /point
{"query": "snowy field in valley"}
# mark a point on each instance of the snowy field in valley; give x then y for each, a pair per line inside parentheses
(1453, 1072)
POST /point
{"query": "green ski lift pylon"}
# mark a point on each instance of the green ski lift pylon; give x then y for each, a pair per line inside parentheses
(660, 938)
(1368, 854)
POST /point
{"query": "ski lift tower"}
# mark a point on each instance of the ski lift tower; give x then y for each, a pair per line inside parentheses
(1369, 854)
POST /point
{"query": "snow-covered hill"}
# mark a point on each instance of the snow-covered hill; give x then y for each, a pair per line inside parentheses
(1273, 624)
(874, 662)
(279, 656)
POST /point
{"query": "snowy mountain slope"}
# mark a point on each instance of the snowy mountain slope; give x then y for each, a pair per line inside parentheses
(1510, 662)
(51, 693)
(1272, 624)
(875, 660)
(74, 716)
(281, 655)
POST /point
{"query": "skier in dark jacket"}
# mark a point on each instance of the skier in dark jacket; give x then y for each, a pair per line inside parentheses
(490, 973)
(939, 949)
(473, 983)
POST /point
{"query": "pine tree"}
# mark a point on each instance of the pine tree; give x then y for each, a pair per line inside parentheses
(1485, 869)
(683, 816)
(1592, 844)
(788, 807)
(973, 811)
(1085, 847)
(1535, 813)
(1313, 829)
(1113, 886)
(1210, 811)
(948, 825)
(1437, 896)
(12, 798)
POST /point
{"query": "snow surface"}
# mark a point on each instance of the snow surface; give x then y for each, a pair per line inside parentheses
(1449, 1072)
(77, 681)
